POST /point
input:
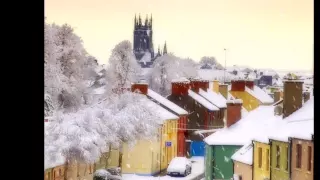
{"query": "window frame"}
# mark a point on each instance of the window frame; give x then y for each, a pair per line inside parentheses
(298, 156)
(259, 157)
(309, 161)
(267, 159)
(278, 159)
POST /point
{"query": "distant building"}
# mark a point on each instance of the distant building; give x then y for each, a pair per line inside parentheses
(142, 43)
(265, 81)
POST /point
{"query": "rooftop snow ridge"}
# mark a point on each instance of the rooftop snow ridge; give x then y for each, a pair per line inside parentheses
(202, 101)
(165, 102)
(180, 80)
(235, 101)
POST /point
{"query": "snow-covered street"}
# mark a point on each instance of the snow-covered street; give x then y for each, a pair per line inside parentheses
(197, 170)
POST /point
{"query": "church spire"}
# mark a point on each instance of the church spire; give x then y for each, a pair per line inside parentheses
(150, 22)
(146, 21)
(135, 20)
(140, 23)
(165, 48)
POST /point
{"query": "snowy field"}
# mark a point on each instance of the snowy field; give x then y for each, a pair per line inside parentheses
(197, 169)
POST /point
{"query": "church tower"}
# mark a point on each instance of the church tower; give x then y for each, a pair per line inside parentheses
(142, 39)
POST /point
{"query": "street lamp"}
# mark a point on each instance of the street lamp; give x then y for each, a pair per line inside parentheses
(225, 62)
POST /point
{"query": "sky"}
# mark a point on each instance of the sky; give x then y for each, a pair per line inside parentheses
(274, 34)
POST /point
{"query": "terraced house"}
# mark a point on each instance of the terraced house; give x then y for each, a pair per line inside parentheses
(201, 112)
(251, 95)
(155, 156)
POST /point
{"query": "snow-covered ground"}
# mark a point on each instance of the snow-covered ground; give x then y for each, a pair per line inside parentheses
(197, 169)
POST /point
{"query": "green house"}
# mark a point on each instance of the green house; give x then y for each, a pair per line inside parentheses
(218, 161)
(280, 160)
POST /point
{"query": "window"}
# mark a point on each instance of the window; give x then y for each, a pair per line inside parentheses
(309, 158)
(78, 169)
(49, 175)
(298, 155)
(54, 174)
(277, 156)
(260, 157)
(286, 158)
(267, 160)
(60, 172)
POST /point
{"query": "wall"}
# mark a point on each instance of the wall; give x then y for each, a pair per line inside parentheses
(222, 163)
(169, 133)
(249, 102)
(79, 171)
(303, 173)
(281, 173)
(264, 171)
(208, 162)
(242, 169)
(112, 161)
(132, 161)
(48, 174)
(58, 172)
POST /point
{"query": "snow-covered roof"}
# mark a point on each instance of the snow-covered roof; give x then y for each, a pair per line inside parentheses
(244, 112)
(234, 101)
(214, 74)
(244, 154)
(202, 101)
(163, 113)
(180, 80)
(260, 95)
(245, 129)
(166, 102)
(213, 97)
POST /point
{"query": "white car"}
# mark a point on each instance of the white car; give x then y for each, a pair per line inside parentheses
(179, 166)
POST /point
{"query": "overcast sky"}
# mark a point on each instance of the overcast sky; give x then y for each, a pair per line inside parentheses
(258, 33)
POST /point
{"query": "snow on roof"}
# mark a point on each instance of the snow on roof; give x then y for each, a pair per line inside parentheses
(163, 113)
(234, 101)
(213, 97)
(202, 101)
(244, 130)
(180, 80)
(244, 154)
(260, 95)
(214, 74)
(244, 112)
(166, 102)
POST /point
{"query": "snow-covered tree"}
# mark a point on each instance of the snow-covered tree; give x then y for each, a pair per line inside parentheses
(211, 61)
(83, 135)
(169, 67)
(123, 68)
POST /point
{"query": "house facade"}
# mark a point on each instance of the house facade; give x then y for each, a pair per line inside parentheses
(280, 160)
(261, 161)
(302, 159)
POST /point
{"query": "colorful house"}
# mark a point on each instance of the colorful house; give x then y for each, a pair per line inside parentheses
(108, 159)
(152, 150)
(175, 132)
(242, 163)
(261, 160)
(221, 145)
(201, 112)
(251, 95)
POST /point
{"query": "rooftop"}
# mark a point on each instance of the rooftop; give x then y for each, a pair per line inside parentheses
(202, 101)
(213, 97)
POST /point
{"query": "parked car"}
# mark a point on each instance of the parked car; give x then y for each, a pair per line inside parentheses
(179, 166)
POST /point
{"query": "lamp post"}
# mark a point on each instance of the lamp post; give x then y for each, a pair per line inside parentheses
(225, 62)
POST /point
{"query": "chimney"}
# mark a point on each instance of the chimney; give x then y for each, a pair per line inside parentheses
(276, 96)
(196, 84)
(250, 84)
(233, 111)
(223, 89)
(292, 96)
(216, 86)
(142, 87)
(238, 85)
(180, 87)
(306, 96)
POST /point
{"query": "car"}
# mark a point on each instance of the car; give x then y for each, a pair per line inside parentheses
(179, 166)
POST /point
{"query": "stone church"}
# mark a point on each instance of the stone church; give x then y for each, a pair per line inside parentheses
(143, 44)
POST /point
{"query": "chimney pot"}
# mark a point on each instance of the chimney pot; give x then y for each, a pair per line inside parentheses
(238, 85)
(250, 84)
(142, 87)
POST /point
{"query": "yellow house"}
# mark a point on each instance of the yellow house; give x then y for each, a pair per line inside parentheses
(169, 142)
(144, 157)
(108, 160)
(261, 160)
(251, 95)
